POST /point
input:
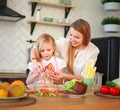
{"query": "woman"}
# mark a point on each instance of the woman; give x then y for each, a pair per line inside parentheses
(77, 51)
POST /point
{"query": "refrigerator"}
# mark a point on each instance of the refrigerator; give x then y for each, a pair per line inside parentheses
(108, 61)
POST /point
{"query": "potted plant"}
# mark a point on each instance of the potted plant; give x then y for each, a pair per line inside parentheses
(111, 24)
(111, 4)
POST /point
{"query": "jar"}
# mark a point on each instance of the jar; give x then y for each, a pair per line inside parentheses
(38, 14)
(67, 2)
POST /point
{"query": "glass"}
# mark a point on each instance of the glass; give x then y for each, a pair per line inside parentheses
(44, 86)
(46, 90)
(89, 82)
(97, 83)
(43, 78)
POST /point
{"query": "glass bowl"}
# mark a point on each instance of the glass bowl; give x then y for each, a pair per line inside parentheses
(46, 90)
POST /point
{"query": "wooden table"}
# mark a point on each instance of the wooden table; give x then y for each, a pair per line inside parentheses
(63, 102)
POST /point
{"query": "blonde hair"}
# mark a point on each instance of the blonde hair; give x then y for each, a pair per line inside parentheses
(44, 38)
(83, 27)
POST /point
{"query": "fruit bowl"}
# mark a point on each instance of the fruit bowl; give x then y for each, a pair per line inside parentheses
(46, 90)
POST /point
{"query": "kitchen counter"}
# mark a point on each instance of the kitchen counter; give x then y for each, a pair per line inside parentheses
(12, 76)
(63, 102)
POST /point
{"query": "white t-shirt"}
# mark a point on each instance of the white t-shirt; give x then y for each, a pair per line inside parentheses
(82, 58)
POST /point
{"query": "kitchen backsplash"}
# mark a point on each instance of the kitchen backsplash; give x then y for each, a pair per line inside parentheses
(14, 50)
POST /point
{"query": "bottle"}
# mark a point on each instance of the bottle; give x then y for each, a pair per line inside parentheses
(38, 14)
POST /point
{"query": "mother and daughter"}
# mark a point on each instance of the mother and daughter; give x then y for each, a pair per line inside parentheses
(75, 52)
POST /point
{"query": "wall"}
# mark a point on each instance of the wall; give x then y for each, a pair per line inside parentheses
(13, 35)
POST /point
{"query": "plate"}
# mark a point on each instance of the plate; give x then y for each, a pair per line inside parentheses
(11, 99)
(75, 96)
(106, 95)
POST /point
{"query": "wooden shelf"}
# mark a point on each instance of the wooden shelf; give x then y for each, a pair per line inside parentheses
(33, 22)
(51, 4)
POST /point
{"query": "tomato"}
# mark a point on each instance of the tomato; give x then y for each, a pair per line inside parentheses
(53, 92)
(114, 91)
(44, 90)
(50, 67)
(104, 89)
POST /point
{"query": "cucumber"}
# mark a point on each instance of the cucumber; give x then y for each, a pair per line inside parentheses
(110, 83)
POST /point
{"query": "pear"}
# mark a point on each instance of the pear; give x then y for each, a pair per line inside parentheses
(16, 90)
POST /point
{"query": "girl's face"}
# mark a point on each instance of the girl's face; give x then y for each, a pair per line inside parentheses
(46, 51)
(76, 38)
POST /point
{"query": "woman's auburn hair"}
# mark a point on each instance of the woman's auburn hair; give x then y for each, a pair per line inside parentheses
(44, 38)
(83, 27)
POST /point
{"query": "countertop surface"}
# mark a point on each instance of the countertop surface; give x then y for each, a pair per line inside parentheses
(13, 75)
(63, 102)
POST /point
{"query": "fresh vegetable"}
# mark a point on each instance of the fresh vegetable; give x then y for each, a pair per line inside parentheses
(70, 84)
(110, 83)
(117, 82)
(114, 91)
(50, 67)
(47, 92)
(104, 89)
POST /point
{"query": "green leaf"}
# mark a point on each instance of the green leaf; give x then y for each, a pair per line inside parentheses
(111, 20)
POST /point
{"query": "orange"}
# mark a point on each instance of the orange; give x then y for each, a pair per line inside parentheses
(3, 93)
(18, 82)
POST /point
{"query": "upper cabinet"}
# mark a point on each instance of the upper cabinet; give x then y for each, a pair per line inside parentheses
(33, 20)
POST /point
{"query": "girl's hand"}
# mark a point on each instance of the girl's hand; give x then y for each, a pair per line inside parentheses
(50, 73)
(57, 76)
(37, 67)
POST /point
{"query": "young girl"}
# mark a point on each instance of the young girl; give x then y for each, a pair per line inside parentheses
(45, 55)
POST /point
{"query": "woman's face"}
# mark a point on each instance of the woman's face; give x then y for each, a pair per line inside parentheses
(76, 38)
(46, 51)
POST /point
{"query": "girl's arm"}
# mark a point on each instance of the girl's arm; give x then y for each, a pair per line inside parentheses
(31, 77)
(37, 67)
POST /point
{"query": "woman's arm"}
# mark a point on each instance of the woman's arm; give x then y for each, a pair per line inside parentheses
(71, 76)
(61, 76)
(32, 54)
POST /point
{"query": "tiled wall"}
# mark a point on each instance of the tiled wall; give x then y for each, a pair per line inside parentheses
(13, 35)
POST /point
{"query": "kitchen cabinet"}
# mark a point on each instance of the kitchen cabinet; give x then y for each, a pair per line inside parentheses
(33, 21)
(108, 61)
